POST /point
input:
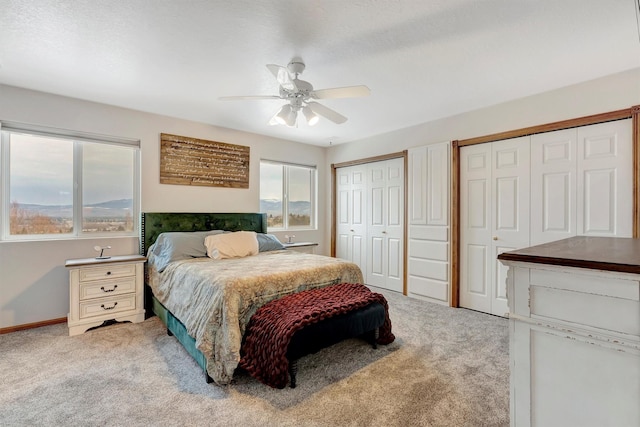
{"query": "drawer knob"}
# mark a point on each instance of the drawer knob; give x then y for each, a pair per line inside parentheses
(108, 273)
(108, 290)
(109, 308)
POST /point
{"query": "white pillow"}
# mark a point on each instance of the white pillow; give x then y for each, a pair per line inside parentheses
(232, 245)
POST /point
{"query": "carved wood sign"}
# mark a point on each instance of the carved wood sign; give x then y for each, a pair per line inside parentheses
(192, 161)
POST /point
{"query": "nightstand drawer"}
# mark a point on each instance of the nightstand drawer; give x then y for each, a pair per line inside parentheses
(107, 272)
(107, 288)
(104, 306)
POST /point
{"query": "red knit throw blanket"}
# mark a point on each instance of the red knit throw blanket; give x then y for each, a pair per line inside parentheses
(263, 352)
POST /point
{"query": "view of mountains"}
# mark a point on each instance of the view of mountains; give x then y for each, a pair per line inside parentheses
(110, 209)
(119, 208)
(274, 207)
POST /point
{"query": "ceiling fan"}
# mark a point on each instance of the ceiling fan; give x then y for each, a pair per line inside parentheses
(300, 96)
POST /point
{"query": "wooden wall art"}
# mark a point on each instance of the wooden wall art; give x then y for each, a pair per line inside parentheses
(192, 161)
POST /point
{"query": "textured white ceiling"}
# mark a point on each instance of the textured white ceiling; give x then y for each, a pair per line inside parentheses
(422, 59)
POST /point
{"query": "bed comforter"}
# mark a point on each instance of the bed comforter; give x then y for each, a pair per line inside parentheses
(215, 299)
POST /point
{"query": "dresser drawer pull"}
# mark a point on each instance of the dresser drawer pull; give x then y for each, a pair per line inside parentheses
(108, 273)
(108, 290)
(109, 308)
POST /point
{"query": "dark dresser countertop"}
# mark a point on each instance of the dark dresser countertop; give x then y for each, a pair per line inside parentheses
(595, 253)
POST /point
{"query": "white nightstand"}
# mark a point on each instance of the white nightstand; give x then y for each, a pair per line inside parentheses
(105, 289)
(306, 247)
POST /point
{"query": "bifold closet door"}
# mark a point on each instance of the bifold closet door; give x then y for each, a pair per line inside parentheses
(605, 179)
(494, 206)
(582, 182)
(351, 221)
(385, 231)
(370, 220)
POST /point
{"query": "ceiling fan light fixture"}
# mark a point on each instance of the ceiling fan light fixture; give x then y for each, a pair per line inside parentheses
(283, 115)
(312, 118)
(291, 118)
(300, 94)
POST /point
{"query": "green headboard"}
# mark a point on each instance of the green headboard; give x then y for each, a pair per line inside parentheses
(154, 223)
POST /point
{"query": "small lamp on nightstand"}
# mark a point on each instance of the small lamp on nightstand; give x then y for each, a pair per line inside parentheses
(101, 250)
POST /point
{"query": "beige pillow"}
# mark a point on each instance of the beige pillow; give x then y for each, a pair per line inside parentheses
(231, 245)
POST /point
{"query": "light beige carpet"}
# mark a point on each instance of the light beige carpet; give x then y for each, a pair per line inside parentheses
(447, 367)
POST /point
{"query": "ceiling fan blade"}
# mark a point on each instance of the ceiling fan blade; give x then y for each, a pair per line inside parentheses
(284, 78)
(326, 112)
(236, 98)
(341, 92)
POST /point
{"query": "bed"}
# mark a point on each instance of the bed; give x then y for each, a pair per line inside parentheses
(207, 303)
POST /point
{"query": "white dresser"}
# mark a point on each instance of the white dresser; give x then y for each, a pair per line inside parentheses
(574, 331)
(105, 289)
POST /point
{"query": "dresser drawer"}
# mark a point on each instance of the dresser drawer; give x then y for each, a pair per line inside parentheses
(602, 302)
(106, 306)
(107, 272)
(107, 288)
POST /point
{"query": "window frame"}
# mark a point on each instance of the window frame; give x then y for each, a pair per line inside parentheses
(78, 139)
(313, 190)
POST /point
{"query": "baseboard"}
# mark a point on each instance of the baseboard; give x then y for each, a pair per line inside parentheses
(32, 325)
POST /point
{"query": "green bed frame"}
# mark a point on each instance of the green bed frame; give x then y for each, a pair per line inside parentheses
(154, 223)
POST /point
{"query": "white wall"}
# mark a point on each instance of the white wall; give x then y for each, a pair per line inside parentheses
(609, 93)
(33, 279)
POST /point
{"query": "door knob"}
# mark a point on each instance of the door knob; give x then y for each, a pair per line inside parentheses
(495, 237)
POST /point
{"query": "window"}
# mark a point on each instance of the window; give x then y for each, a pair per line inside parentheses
(288, 195)
(67, 185)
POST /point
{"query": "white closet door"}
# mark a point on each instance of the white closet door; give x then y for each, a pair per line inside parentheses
(494, 206)
(605, 179)
(582, 182)
(351, 222)
(510, 211)
(385, 200)
(475, 227)
(553, 186)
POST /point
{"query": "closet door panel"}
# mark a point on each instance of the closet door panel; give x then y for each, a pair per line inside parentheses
(438, 184)
(475, 223)
(477, 274)
(510, 213)
(393, 233)
(376, 191)
(370, 220)
(511, 177)
(343, 220)
(343, 213)
(377, 261)
(418, 186)
(358, 251)
(495, 194)
(605, 179)
(351, 224)
(377, 206)
(507, 204)
(599, 202)
(553, 186)
(394, 259)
